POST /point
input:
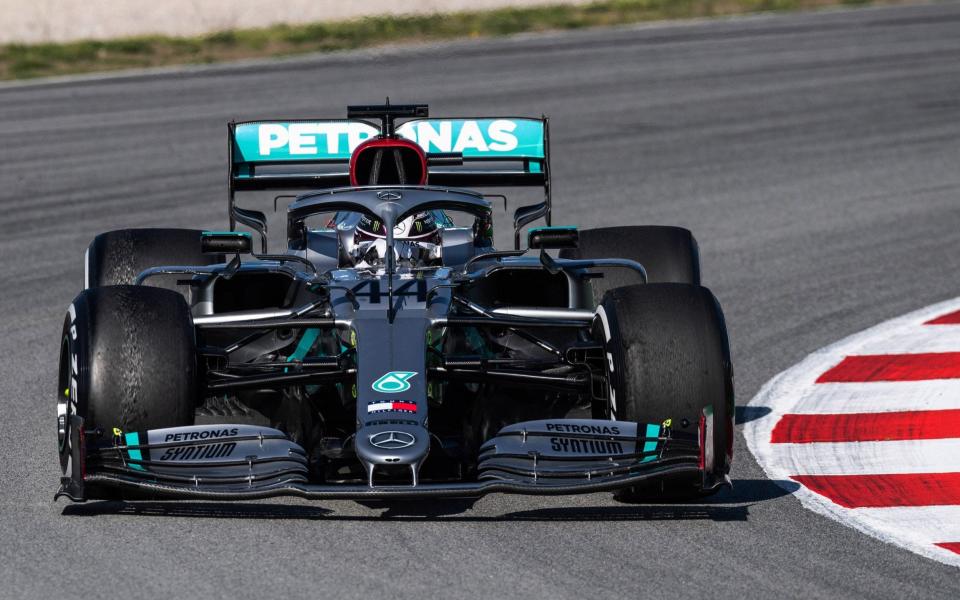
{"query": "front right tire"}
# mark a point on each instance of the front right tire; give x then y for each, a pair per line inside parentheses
(668, 358)
(118, 257)
(669, 255)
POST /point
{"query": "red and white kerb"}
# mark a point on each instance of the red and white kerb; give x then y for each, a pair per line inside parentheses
(870, 430)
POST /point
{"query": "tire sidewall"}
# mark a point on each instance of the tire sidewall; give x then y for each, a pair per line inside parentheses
(627, 401)
(73, 375)
(605, 324)
(115, 351)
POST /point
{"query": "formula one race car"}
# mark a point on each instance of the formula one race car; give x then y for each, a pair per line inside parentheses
(390, 351)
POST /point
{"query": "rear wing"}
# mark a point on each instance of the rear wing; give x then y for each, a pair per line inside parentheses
(276, 155)
(461, 152)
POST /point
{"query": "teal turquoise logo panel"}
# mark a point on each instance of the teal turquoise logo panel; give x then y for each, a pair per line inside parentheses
(652, 440)
(393, 382)
(299, 140)
(510, 138)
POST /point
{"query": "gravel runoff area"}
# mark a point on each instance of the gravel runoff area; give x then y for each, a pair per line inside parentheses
(33, 21)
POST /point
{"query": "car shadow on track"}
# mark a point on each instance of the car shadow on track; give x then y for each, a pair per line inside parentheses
(745, 414)
(731, 504)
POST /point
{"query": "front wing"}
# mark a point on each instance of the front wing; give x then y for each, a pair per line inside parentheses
(242, 462)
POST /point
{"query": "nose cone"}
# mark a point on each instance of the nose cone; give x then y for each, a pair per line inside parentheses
(392, 444)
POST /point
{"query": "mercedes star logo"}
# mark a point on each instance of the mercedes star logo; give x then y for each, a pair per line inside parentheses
(389, 196)
(392, 440)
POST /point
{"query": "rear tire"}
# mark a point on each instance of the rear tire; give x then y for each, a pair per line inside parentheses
(669, 358)
(669, 254)
(117, 257)
(128, 359)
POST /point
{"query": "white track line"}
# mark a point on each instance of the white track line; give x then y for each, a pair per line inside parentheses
(858, 458)
(882, 396)
(920, 338)
(917, 529)
(920, 522)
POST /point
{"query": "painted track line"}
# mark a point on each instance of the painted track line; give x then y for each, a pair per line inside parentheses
(951, 546)
(925, 522)
(916, 339)
(870, 428)
(942, 394)
(886, 490)
(894, 367)
(866, 427)
(947, 319)
(934, 456)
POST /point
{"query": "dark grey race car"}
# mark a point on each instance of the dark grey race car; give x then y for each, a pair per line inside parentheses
(390, 351)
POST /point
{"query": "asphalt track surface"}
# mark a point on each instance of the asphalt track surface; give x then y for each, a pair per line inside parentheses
(815, 157)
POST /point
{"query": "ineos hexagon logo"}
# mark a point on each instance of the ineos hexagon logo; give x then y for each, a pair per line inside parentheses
(393, 382)
(392, 440)
(389, 196)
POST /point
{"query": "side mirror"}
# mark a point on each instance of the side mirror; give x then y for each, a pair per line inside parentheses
(525, 215)
(553, 238)
(226, 242)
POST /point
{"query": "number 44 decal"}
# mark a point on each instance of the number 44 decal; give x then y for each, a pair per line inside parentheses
(393, 382)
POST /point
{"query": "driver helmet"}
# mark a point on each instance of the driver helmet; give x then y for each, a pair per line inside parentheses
(416, 241)
(421, 227)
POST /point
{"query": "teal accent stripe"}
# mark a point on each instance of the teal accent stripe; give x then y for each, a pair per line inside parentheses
(650, 446)
(554, 228)
(306, 342)
(228, 233)
(133, 439)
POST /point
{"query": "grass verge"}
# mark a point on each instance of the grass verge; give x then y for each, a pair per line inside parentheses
(22, 61)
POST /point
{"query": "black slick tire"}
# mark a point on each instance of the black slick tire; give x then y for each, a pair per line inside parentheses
(669, 255)
(118, 257)
(668, 358)
(128, 359)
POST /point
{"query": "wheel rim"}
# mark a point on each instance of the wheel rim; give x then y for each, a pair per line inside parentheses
(66, 397)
